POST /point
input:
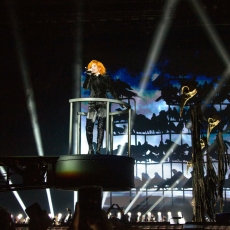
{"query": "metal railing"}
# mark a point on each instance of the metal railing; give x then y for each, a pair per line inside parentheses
(109, 122)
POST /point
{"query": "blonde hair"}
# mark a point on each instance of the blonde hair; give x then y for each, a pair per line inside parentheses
(101, 67)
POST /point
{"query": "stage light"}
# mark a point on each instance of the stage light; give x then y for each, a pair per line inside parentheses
(143, 218)
(172, 221)
(169, 216)
(59, 216)
(119, 215)
(19, 216)
(149, 216)
(138, 216)
(129, 215)
(182, 220)
(159, 217)
(20, 219)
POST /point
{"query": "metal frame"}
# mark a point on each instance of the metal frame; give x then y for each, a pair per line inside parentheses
(109, 126)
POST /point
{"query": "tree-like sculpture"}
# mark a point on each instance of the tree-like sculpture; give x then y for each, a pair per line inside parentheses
(207, 190)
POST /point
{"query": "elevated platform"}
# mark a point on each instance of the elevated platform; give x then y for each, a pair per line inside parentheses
(67, 172)
(112, 173)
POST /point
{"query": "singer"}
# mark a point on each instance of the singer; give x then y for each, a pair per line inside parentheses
(98, 82)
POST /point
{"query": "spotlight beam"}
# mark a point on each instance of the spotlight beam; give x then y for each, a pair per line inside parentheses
(157, 44)
(155, 204)
(156, 47)
(161, 198)
(212, 34)
(168, 153)
(3, 172)
(50, 202)
(217, 44)
(137, 196)
(29, 92)
(27, 84)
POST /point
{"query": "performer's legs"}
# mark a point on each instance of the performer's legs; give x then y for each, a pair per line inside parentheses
(100, 133)
(101, 124)
(91, 117)
(89, 135)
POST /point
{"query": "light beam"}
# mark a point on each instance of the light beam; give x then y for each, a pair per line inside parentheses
(217, 45)
(31, 106)
(155, 48)
(3, 172)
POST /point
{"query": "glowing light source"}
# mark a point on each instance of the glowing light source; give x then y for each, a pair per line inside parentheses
(119, 215)
(129, 215)
(182, 220)
(3, 172)
(179, 214)
(19, 216)
(59, 216)
(138, 216)
(169, 216)
(159, 217)
(149, 215)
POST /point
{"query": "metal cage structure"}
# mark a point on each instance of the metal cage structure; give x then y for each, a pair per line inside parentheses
(109, 122)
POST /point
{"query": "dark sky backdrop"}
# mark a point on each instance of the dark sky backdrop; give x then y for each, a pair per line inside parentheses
(48, 40)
